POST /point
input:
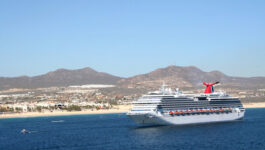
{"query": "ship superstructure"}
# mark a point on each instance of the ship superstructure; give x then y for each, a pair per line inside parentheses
(167, 107)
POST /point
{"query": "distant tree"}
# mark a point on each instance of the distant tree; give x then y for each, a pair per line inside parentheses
(18, 110)
(3, 109)
(51, 108)
(73, 108)
(10, 110)
(38, 108)
(29, 109)
(113, 102)
(98, 107)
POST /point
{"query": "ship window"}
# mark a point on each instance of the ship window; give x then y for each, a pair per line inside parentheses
(202, 98)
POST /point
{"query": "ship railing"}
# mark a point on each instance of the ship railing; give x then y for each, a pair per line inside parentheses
(199, 111)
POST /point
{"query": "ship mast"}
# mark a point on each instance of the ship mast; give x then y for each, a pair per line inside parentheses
(163, 88)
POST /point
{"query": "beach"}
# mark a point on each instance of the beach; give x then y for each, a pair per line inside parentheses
(254, 105)
(117, 109)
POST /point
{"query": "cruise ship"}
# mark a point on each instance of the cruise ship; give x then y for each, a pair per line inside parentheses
(168, 107)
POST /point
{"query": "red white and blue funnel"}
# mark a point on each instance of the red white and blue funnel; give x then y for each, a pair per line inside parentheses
(209, 87)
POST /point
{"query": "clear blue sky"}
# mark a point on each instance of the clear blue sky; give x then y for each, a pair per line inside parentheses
(126, 38)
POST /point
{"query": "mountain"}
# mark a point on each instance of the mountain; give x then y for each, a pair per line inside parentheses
(60, 77)
(190, 77)
(174, 76)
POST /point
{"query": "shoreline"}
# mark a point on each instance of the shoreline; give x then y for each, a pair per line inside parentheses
(254, 105)
(118, 109)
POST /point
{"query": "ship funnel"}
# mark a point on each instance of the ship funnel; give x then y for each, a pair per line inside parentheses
(209, 87)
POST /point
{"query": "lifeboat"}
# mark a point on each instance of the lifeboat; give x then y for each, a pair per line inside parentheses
(171, 113)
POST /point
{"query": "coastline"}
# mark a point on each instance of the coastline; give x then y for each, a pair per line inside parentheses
(254, 105)
(117, 109)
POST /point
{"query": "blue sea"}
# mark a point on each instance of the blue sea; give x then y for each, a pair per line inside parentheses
(118, 132)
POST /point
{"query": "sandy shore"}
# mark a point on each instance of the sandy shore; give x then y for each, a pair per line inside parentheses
(254, 105)
(117, 109)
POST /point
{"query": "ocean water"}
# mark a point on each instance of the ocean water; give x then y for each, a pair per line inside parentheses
(118, 132)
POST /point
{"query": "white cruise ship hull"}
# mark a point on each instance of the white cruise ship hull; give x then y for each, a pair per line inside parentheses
(165, 107)
(166, 119)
